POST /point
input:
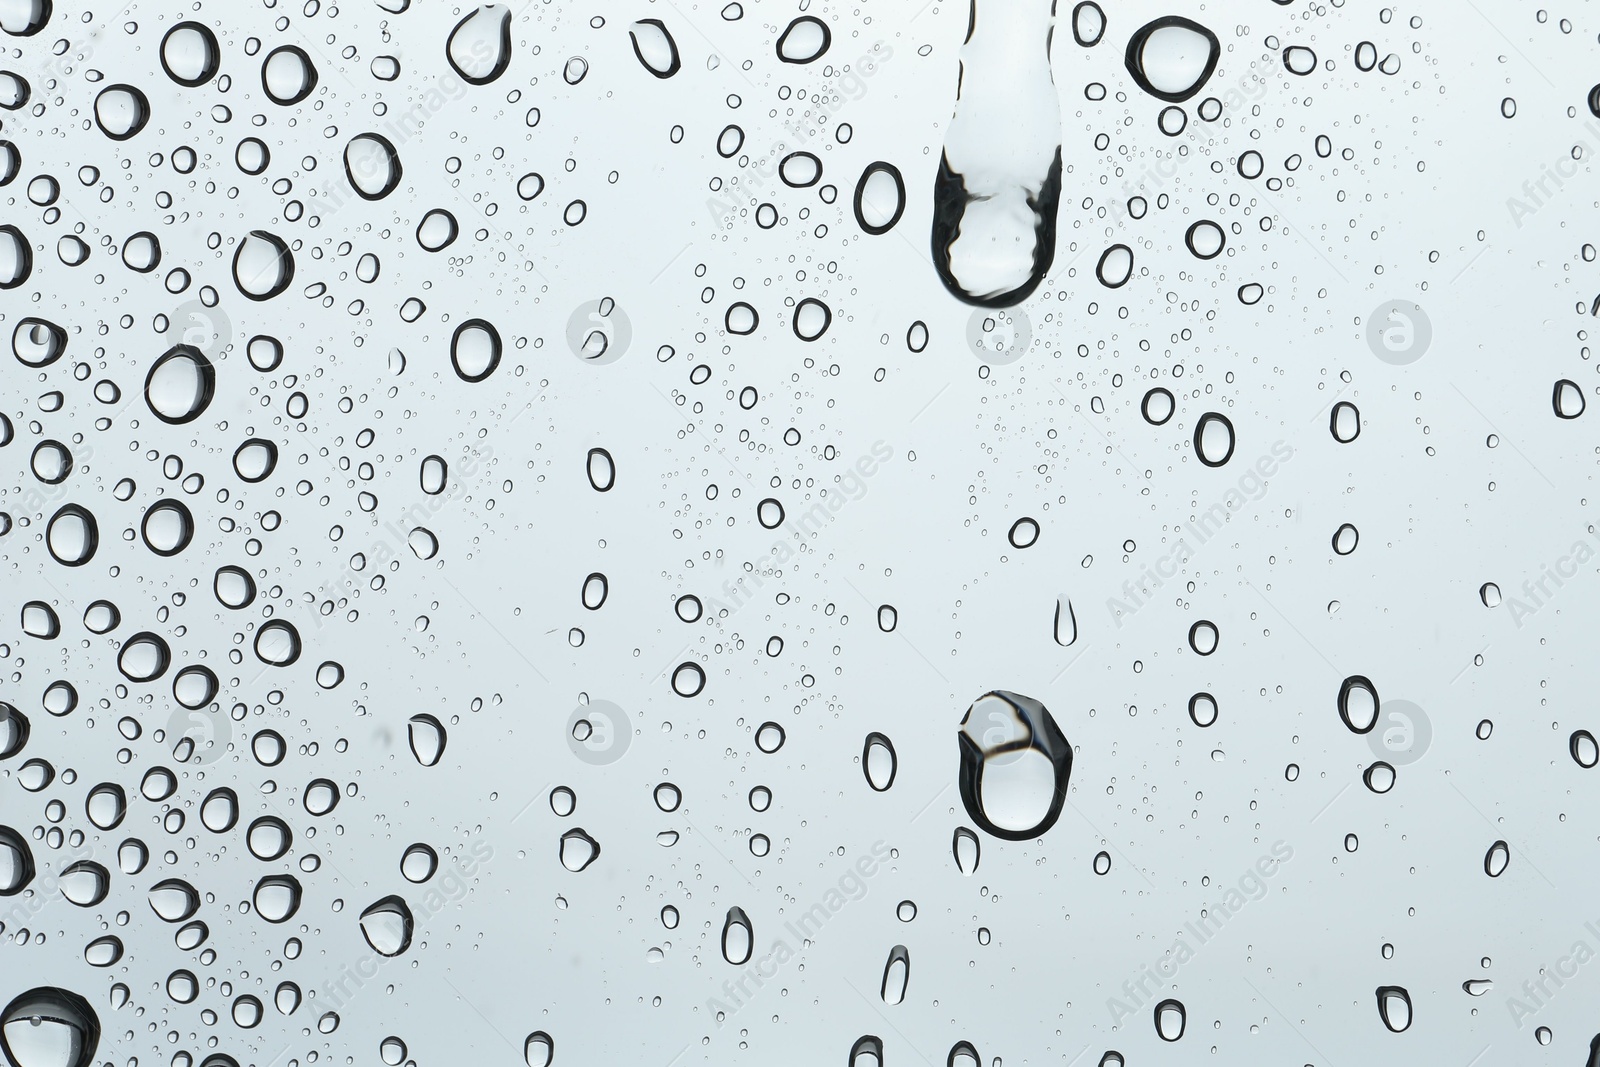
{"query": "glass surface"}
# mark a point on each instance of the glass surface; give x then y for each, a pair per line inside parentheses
(867, 534)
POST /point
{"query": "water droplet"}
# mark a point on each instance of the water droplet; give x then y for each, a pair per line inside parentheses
(427, 738)
(1496, 859)
(1214, 439)
(1172, 57)
(49, 1027)
(896, 975)
(1171, 1018)
(386, 925)
(879, 762)
(1358, 704)
(1015, 765)
(578, 850)
(654, 47)
(1394, 1008)
(804, 40)
(738, 937)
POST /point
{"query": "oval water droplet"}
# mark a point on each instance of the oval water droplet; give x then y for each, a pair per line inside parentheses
(1203, 637)
(738, 937)
(190, 55)
(287, 75)
(1394, 1008)
(1171, 1017)
(1379, 777)
(1214, 439)
(879, 762)
(1065, 625)
(475, 350)
(539, 1049)
(1203, 709)
(1585, 751)
(1115, 266)
(16, 862)
(1088, 23)
(880, 200)
(1496, 859)
(121, 111)
(1345, 539)
(1358, 704)
(601, 469)
(1344, 422)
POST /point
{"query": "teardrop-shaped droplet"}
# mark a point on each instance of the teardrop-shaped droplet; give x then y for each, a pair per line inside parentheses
(84, 883)
(49, 1027)
(804, 40)
(263, 266)
(1065, 627)
(1170, 1017)
(372, 166)
(965, 848)
(174, 900)
(387, 925)
(1172, 57)
(963, 1054)
(578, 850)
(479, 48)
(1358, 703)
(999, 177)
(896, 975)
(427, 737)
(738, 937)
(653, 45)
(879, 762)
(1394, 1008)
(1015, 765)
